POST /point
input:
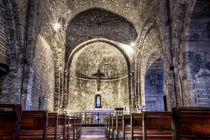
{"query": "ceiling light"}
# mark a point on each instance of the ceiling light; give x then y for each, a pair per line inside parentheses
(132, 44)
(57, 26)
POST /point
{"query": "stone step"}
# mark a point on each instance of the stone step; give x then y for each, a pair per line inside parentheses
(93, 133)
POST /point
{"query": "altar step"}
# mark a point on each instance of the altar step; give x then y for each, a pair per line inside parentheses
(93, 133)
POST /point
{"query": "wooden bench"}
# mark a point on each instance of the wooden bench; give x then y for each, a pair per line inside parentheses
(34, 125)
(191, 123)
(126, 125)
(107, 125)
(72, 128)
(136, 126)
(62, 127)
(111, 126)
(52, 126)
(10, 117)
(132, 126)
(157, 126)
(115, 127)
(119, 126)
(77, 127)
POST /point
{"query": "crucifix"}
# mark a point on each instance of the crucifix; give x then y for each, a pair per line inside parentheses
(98, 75)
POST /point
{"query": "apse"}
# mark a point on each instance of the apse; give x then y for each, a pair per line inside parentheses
(98, 70)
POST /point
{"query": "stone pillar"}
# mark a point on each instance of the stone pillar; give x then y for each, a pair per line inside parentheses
(57, 91)
(27, 70)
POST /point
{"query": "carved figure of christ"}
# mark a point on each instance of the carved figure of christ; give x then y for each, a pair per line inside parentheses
(98, 75)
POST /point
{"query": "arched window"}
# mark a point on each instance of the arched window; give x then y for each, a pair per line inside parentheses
(98, 101)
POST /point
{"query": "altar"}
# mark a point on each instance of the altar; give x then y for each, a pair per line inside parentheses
(96, 117)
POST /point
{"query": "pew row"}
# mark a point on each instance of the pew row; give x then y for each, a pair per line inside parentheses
(34, 125)
(136, 126)
(10, 119)
(124, 126)
(157, 126)
(191, 123)
(52, 126)
(16, 124)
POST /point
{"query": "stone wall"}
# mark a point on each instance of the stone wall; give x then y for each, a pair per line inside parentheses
(9, 70)
(83, 91)
(197, 55)
(155, 86)
(3, 46)
(3, 37)
(43, 76)
(83, 85)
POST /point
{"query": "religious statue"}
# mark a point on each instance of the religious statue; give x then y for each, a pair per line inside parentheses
(65, 99)
(98, 75)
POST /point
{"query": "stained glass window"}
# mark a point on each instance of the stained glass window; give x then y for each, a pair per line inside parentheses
(98, 101)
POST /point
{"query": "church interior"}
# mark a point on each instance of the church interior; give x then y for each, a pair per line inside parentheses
(105, 69)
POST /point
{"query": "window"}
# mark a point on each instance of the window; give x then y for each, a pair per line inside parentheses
(98, 101)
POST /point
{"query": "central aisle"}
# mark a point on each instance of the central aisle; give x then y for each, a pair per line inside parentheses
(93, 133)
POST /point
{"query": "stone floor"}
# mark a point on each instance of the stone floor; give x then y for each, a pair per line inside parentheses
(93, 133)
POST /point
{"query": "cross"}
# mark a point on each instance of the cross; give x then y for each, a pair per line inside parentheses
(98, 75)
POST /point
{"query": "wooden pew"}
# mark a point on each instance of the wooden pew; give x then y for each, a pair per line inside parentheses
(62, 127)
(136, 126)
(77, 127)
(132, 126)
(70, 128)
(73, 127)
(113, 126)
(52, 125)
(126, 125)
(109, 124)
(10, 117)
(116, 127)
(119, 126)
(34, 125)
(191, 123)
(157, 126)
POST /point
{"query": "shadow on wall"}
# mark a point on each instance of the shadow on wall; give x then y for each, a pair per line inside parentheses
(197, 55)
(155, 94)
(4, 69)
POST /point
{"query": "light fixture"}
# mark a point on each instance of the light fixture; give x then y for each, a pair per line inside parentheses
(132, 44)
(57, 26)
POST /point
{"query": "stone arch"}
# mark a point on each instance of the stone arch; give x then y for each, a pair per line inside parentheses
(155, 94)
(148, 25)
(83, 45)
(149, 42)
(195, 70)
(98, 23)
